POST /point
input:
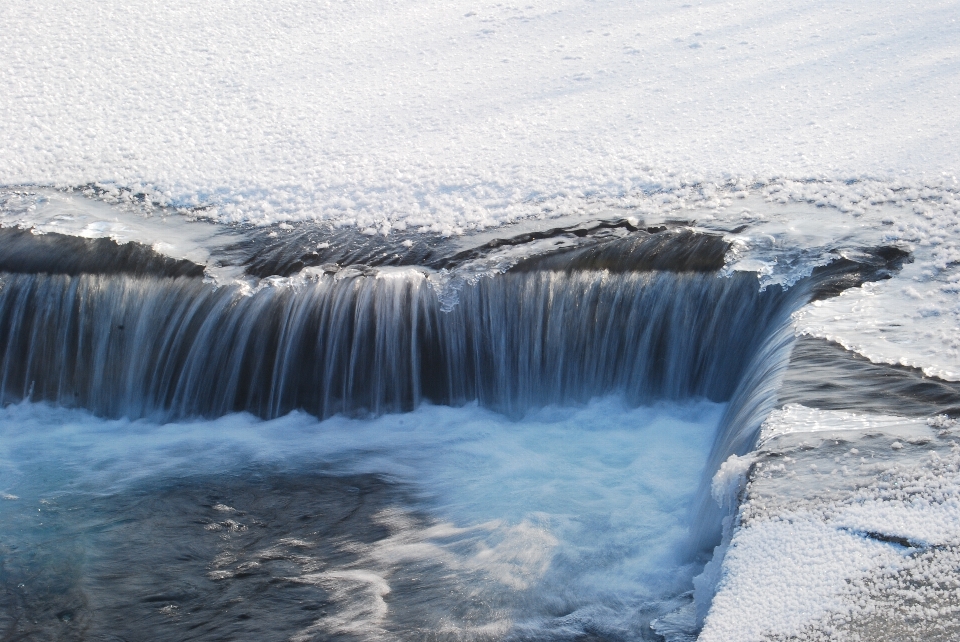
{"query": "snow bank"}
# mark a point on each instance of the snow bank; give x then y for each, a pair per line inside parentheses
(455, 115)
(850, 529)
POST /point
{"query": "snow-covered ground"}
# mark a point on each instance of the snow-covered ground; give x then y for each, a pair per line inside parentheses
(849, 530)
(451, 115)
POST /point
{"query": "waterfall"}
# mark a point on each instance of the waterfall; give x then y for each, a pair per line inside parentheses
(369, 343)
(622, 367)
(646, 317)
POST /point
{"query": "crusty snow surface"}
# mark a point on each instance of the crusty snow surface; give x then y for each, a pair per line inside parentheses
(456, 114)
(849, 530)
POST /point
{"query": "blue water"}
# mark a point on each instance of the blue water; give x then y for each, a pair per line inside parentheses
(568, 522)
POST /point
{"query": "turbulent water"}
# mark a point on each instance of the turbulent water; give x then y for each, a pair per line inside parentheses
(444, 523)
(410, 448)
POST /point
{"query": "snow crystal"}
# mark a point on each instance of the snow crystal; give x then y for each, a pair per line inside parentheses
(447, 116)
(841, 542)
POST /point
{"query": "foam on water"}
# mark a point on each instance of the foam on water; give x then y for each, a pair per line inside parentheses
(575, 518)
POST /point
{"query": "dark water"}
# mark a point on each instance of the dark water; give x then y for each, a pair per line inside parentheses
(173, 562)
(824, 375)
(142, 346)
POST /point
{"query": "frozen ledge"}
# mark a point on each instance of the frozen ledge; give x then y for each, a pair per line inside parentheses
(848, 529)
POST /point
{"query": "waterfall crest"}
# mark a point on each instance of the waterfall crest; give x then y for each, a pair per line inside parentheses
(379, 342)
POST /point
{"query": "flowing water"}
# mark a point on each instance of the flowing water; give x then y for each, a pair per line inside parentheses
(366, 452)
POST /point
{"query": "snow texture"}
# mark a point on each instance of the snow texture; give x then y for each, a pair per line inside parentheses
(453, 115)
(849, 530)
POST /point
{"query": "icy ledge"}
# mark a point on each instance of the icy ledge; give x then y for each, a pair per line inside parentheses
(848, 529)
(780, 228)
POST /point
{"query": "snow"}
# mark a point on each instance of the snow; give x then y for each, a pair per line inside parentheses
(869, 320)
(456, 115)
(839, 530)
(786, 575)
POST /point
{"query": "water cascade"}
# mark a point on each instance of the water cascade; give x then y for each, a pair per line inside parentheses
(574, 358)
(349, 343)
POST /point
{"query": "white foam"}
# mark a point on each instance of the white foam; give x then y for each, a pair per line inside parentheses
(592, 501)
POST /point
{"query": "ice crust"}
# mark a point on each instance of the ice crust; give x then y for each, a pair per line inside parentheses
(453, 115)
(782, 230)
(849, 529)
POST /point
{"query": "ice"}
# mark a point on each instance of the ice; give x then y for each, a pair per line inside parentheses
(798, 419)
(50, 211)
(913, 320)
(449, 116)
(728, 482)
(848, 530)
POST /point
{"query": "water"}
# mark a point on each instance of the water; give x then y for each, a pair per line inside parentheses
(509, 441)
(380, 342)
(823, 375)
(455, 523)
